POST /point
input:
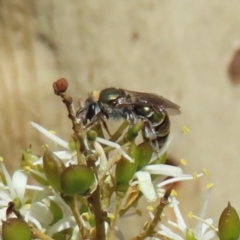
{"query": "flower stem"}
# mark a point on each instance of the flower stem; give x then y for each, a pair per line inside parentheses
(95, 204)
(71, 202)
(39, 234)
(150, 226)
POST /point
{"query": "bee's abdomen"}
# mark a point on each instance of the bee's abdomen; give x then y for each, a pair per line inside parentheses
(163, 130)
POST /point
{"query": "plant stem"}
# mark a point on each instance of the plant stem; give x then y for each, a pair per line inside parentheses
(95, 204)
(39, 234)
(151, 224)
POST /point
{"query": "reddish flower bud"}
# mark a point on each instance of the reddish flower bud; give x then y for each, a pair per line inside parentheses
(60, 85)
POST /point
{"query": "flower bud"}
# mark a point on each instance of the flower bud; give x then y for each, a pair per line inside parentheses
(72, 144)
(16, 229)
(76, 179)
(125, 169)
(229, 224)
(91, 135)
(60, 85)
(98, 129)
(53, 168)
(145, 152)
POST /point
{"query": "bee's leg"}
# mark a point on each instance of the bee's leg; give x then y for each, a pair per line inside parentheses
(131, 117)
(93, 121)
(149, 133)
(106, 127)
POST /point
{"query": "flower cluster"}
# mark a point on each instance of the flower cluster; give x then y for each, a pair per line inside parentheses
(82, 191)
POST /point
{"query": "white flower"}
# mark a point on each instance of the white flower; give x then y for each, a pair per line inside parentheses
(15, 191)
(201, 231)
(145, 182)
(151, 190)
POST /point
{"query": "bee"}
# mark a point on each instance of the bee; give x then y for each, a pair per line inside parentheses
(117, 103)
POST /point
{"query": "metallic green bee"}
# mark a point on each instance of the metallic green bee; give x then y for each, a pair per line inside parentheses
(116, 103)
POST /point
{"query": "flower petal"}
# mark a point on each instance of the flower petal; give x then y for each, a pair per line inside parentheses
(181, 223)
(9, 181)
(146, 186)
(51, 136)
(168, 232)
(41, 212)
(209, 235)
(19, 181)
(68, 222)
(163, 170)
(4, 197)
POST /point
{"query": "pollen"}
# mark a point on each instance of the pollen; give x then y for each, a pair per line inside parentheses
(185, 130)
(28, 168)
(183, 161)
(45, 146)
(205, 171)
(111, 216)
(174, 193)
(194, 175)
(209, 185)
(27, 206)
(1, 159)
(74, 153)
(52, 131)
(190, 214)
(150, 208)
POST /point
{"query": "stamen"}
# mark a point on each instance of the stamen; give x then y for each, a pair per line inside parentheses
(183, 177)
(51, 136)
(183, 162)
(116, 146)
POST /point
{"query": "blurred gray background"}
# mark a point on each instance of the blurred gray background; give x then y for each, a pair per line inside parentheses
(178, 49)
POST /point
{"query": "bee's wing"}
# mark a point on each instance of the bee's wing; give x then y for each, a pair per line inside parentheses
(159, 103)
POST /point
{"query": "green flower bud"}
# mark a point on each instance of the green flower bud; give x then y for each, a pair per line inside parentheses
(16, 229)
(145, 152)
(125, 169)
(72, 144)
(98, 129)
(76, 179)
(91, 135)
(56, 212)
(190, 235)
(53, 168)
(229, 224)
